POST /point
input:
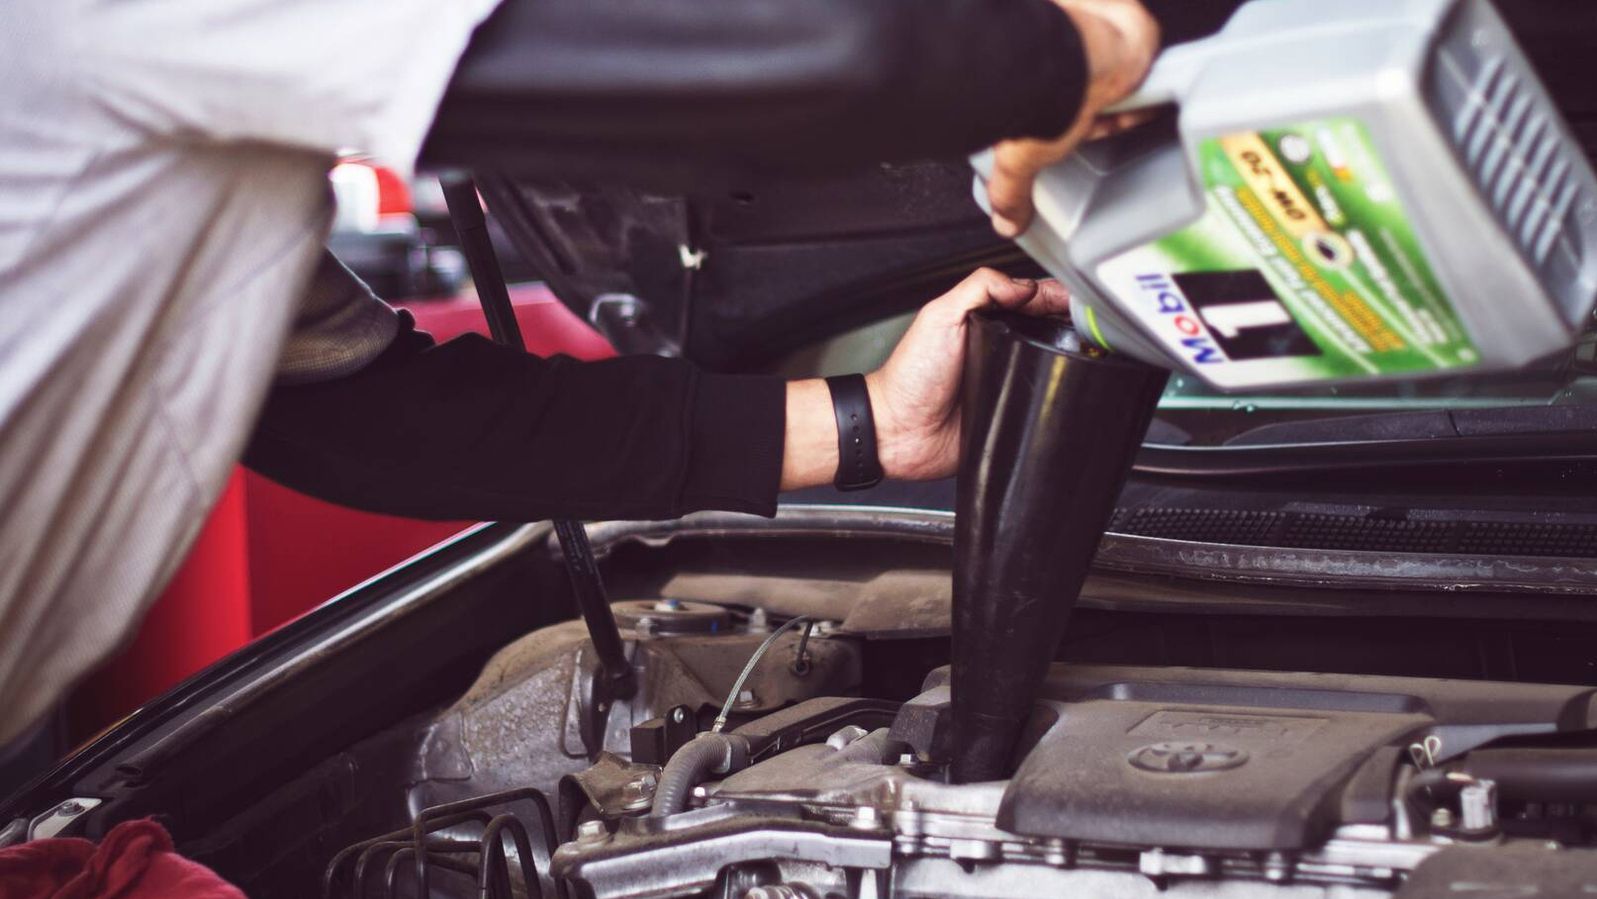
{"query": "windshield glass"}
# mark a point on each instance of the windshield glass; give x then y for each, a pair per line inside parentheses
(1194, 415)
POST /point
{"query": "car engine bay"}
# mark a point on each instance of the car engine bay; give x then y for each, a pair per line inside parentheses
(1133, 780)
(1210, 725)
(1211, 751)
(1140, 781)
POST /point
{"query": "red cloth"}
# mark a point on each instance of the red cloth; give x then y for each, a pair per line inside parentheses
(134, 861)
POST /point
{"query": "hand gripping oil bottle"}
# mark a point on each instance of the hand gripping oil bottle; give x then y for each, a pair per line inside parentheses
(1347, 190)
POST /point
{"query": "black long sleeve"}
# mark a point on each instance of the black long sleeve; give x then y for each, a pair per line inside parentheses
(470, 429)
(807, 84)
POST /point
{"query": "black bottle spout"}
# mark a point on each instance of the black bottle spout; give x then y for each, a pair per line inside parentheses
(1051, 428)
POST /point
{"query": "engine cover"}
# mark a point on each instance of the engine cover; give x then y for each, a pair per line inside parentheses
(1134, 782)
(1210, 759)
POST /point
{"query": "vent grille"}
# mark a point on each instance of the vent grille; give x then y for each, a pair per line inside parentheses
(1303, 530)
(1512, 148)
(1199, 525)
(1494, 538)
(1512, 145)
(1375, 534)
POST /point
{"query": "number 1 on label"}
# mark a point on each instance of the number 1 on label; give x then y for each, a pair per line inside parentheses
(1230, 319)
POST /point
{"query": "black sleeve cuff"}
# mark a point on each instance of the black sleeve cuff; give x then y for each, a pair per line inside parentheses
(736, 429)
(1017, 69)
(1048, 102)
(590, 85)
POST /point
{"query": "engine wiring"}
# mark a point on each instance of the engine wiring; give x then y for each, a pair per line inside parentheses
(754, 659)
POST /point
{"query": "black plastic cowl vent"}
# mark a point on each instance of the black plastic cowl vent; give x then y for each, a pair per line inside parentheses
(1369, 532)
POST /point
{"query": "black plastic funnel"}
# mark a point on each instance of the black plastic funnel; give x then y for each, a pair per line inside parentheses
(1051, 428)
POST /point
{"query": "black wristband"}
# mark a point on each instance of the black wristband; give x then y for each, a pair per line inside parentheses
(857, 464)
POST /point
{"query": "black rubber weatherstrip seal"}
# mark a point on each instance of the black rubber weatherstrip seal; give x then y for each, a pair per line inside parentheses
(1252, 462)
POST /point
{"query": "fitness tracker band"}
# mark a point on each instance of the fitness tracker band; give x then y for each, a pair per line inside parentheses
(857, 464)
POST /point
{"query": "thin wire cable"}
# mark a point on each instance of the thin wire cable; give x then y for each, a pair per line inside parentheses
(801, 658)
(737, 686)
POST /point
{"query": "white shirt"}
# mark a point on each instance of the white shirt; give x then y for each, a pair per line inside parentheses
(163, 201)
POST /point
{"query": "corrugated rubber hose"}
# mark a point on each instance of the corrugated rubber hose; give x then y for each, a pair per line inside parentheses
(687, 768)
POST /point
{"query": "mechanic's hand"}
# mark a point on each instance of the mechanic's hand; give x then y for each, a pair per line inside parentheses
(915, 396)
(1120, 39)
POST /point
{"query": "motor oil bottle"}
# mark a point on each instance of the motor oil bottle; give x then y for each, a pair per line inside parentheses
(1351, 190)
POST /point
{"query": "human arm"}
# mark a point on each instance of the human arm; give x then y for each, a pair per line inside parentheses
(470, 429)
(597, 85)
(808, 84)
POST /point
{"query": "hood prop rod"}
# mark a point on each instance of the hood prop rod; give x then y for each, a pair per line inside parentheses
(616, 679)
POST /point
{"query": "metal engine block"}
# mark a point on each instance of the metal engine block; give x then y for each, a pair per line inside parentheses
(1134, 782)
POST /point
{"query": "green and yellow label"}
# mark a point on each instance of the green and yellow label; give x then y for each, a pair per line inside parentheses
(1303, 267)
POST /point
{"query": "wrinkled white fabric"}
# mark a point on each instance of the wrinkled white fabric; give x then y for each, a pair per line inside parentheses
(163, 200)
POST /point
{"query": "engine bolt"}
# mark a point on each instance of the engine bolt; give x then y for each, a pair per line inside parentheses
(866, 817)
(1277, 867)
(639, 792)
(845, 735)
(1442, 819)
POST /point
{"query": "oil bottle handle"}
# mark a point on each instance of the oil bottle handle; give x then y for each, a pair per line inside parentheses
(1173, 72)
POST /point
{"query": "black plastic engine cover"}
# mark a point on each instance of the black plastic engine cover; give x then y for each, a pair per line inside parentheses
(1221, 776)
(1210, 759)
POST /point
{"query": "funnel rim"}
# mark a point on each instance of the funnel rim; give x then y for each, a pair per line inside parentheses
(1044, 332)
